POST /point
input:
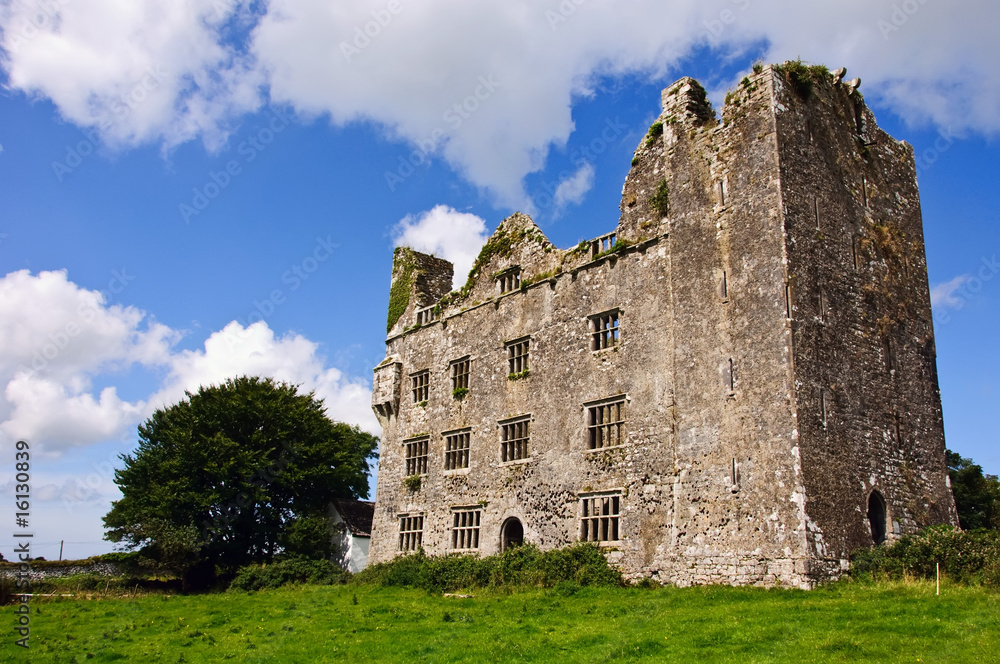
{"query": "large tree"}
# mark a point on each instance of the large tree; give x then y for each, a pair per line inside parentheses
(977, 495)
(234, 474)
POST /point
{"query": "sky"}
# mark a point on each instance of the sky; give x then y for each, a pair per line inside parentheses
(198, 189)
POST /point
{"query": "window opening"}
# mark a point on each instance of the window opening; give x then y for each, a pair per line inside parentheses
(514, 438)
(456, 449)
(420, 385)
(599, 517)
(517, 356)
(465, 528)
(411, 531)
(604, 330)
(605, 424)
(416, 455)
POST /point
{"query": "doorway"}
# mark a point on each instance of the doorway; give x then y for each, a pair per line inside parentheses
(877, 516)
(511, 534)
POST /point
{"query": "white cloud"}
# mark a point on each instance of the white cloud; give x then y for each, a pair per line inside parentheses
(446, 233)
(572, 189)
(138, 71)
(487, 86)
(945, 295)
(57, 340)
(254, 350)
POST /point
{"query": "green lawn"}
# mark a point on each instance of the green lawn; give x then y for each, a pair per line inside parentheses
(892, 622)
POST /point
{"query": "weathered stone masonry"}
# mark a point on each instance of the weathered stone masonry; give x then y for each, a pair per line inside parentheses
(738, 385)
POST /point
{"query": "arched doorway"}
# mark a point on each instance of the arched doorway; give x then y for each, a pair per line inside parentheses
(877, 516)
(511, 534)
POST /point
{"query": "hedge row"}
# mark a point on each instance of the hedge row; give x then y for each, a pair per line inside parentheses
(581, 564)
(971, 557)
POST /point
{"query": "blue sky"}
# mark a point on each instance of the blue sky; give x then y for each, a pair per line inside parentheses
(202, 188)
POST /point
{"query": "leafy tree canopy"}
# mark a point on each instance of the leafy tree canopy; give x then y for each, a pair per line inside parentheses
(977, 496)
(236, 474)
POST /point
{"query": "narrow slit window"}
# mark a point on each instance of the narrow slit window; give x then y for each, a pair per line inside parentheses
(465, 528)
(604, 330)
(720, 191)
(456, 449)
(855, 253)
(788, 301)
(816, 211)
(415, 454)
(822, 408)
(888, 355)
(724, 287)
(822, 306)
(599, 518)
(514, 439)
(606, 424)
(730, 377)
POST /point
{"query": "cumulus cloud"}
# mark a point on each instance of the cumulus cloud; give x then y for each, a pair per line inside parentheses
(487, 86)
(255, 350)
(138, 71)
(57, 340)
(446, 233)
(572, 189)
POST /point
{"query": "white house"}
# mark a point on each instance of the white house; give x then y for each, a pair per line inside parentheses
(352, 523)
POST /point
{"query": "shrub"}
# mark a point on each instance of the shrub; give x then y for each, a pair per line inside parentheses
(580, 565)
(288, 571)
(412, 483)
(966, 557)
(655, 131)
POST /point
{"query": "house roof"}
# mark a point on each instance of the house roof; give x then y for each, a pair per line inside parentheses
(358, 515)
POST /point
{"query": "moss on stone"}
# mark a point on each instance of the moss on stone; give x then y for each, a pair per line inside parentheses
(660, 201)
(402, 286)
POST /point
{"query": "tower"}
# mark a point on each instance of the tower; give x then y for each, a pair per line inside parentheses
(736, 385)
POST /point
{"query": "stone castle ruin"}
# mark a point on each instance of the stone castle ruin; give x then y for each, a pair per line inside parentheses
(736, 385)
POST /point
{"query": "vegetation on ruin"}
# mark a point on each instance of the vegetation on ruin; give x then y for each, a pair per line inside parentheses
(660, 200)
(655, 131)
(519, 375)
(844, 622)
(618, 246)
(459, 392)
(801, 76)
(399, 293)
(541, 276)
(412, 483)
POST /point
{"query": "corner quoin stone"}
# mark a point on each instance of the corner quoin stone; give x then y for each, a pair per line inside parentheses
(772, 382)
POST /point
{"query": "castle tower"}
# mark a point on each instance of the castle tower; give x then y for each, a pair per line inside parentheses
(737, 385)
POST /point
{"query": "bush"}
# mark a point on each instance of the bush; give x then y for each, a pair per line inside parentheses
(288, 571)
(966, 557)
(581, 565)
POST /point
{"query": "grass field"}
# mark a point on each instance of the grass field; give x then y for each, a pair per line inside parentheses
(845, 622)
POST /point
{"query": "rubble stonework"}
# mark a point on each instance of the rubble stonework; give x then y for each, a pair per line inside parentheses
(775, 355)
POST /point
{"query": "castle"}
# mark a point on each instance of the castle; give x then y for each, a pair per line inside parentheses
(737, 385)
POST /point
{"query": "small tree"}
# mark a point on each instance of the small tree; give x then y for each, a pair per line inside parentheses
(236, 474)
(977, 495)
